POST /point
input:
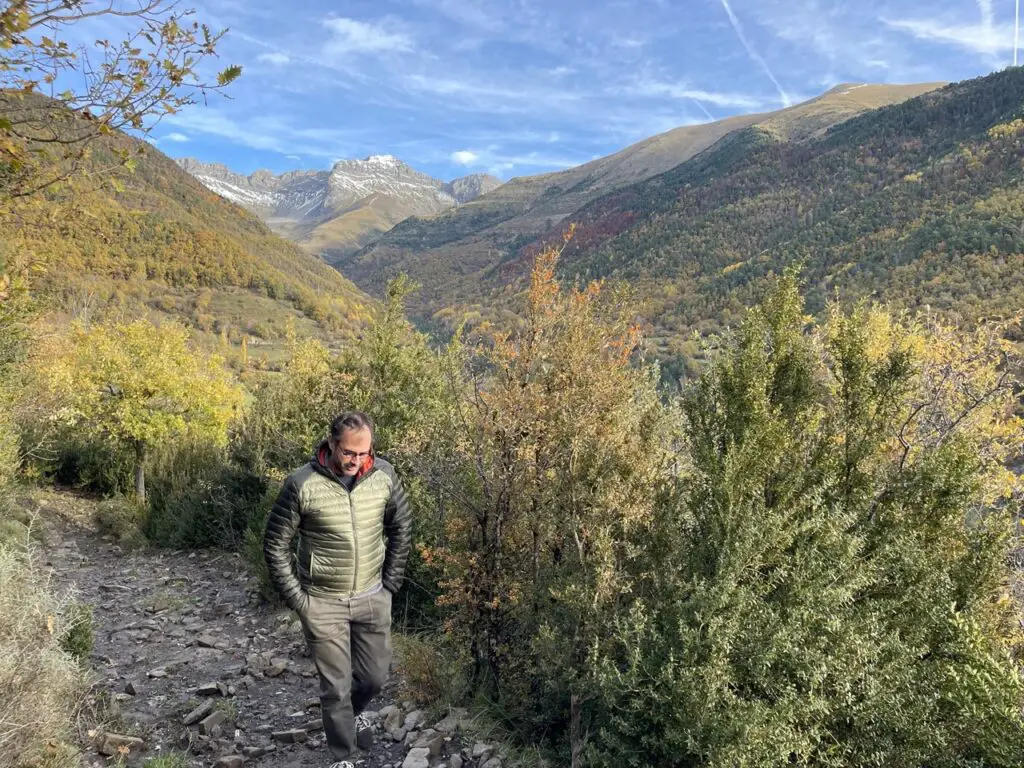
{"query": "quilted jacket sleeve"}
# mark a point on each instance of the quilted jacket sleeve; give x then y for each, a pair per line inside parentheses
(277, 540)
(398, 530)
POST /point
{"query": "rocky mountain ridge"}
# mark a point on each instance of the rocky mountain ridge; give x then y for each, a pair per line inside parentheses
(332, 211)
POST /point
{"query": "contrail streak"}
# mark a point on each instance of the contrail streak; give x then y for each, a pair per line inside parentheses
(754, 55)
(704, 110)
(1016, 32)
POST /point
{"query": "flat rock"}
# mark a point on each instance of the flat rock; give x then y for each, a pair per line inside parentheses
(417, 758)
(291, 736)
(212, 689)
(482, 751)
(115, 744)
(431, 740)
(457, 719)
(198, 713)
(394, 718)
(213, 720)
(276, 668)
(230, 761)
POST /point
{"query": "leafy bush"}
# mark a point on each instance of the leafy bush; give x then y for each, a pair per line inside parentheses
(199, 500)
(79, 635)
(81, 460)
(548, 468)
(826, 585)
(427, 673)
(122, 517)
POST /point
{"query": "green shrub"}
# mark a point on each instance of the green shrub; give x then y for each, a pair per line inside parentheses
(198, 500)
(17, 526)
(90, 463)
(78, 636)
(252, 548)
(825, 586)
(122, 517)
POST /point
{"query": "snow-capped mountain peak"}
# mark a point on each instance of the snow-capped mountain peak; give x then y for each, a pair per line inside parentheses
(297, 203)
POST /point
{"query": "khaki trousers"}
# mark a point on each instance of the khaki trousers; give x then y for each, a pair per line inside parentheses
(350, 641)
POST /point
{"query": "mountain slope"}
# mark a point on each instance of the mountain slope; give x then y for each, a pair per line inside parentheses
(163, 244)
(332, 213)
(452, 253)
(919, 204)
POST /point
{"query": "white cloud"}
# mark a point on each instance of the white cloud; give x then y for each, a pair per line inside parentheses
(267, 132)
(350, 36)
(175, 136)
(276, 58)
(981, 38)
(681, 91)
(465, 157)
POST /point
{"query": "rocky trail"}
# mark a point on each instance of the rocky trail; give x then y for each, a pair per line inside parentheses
(189, 662)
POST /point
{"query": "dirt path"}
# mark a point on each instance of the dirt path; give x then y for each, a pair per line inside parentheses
(191, 662)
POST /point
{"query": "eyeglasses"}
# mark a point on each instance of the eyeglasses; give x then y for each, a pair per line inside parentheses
(353, 455)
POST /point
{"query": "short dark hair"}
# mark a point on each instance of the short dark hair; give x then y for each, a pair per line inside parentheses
(354, 420)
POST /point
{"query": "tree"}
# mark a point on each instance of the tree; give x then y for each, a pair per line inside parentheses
(558, 446)
(827, 584)
(136, 384)
(58, 96)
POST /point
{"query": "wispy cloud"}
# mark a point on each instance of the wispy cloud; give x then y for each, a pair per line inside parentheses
(980, 39)
(987, 16)
(268, 132)
(277, 58)
(682, 91)
(753, 54)
(498, 162)
(176, 136)
(526, 86)
(350, 36)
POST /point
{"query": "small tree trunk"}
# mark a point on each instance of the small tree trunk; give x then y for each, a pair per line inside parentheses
(577, 739)
(140, 471)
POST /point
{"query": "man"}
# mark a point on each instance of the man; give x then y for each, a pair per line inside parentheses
(344, 504)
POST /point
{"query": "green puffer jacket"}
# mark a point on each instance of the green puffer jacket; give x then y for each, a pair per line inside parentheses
(341, 547)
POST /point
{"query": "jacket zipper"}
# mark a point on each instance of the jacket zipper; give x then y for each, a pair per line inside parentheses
(355, 534)
(355, 539)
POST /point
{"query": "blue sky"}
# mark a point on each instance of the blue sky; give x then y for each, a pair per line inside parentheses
(517, 87)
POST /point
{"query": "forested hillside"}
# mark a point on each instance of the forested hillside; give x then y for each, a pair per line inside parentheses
(150, 238)
(917, 203)
(460, 255)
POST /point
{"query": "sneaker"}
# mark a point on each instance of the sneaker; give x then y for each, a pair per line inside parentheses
(342, 764)
(364, 732)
